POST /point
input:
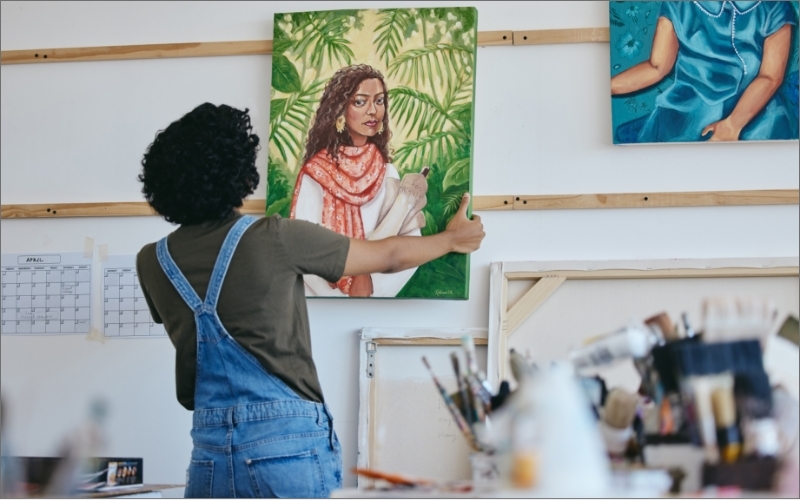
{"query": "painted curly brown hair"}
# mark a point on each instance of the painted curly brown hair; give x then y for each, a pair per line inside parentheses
(333, 104)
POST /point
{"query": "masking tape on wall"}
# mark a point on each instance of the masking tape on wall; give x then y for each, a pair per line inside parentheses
(95, 335)
(88, 247)
(102, 251)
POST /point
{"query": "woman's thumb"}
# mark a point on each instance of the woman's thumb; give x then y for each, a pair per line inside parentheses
(462, 210)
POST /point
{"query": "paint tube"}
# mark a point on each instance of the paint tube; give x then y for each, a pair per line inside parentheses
(633, 341)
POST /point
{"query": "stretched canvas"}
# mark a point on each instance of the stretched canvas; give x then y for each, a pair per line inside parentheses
(703, 71)
(371, 131)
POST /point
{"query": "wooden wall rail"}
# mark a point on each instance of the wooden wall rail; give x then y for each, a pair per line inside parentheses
(261, 47)
(480, 203)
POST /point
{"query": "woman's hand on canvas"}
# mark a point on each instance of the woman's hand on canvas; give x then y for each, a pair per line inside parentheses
(466, 234)
(396, 253)
(722, 130)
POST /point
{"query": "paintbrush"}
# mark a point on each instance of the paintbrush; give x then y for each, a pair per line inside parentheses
(454, 411)
(479, 390)
(478, 404)
(479, 387)
(397, 479)
(462, 390)
(468, 343)
(729, 439)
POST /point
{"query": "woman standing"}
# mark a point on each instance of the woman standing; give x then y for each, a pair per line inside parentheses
(229, 290)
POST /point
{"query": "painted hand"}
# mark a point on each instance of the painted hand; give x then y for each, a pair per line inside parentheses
(362, 286)
(403, 215)
(415, 218)
(722, 131)
(392, 186)
(467, 234)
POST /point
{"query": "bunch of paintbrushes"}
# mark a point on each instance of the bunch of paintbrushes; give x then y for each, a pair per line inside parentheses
(473, 401)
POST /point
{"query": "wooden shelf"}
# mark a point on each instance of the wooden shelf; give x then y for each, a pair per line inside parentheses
(649, 200)
(264, 47)
(110, 209)
(479, 203)
(577, 35)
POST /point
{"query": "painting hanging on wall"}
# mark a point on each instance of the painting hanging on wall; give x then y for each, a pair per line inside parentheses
(703, 71)
(371, 133)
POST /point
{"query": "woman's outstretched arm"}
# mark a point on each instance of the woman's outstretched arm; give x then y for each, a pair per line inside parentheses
(760, 90)
(397, 253)
(662, 59)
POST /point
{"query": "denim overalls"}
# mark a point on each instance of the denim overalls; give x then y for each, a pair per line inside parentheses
(253, 436)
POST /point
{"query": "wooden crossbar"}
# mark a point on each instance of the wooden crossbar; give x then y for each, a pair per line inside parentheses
(480, 203)
(264, 47)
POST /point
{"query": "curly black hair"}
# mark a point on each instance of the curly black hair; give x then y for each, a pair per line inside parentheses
(202, 166)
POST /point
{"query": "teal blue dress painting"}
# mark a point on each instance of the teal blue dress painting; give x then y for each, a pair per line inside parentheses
(704, 71)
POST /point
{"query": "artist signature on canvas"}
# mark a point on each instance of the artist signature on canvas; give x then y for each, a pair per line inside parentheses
(450, 436)
(442, 293)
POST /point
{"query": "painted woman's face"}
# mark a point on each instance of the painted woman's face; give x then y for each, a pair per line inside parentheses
(365, 111)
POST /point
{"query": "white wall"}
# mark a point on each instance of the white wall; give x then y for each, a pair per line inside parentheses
(75, 132)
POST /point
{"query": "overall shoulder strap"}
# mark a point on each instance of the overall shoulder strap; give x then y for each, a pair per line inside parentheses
(176, 277)
(224, 259)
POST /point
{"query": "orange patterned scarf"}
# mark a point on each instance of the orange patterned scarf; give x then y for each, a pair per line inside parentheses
(347, 185)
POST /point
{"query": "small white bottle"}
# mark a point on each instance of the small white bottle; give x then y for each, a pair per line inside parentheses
(571, 445)
(633, 341)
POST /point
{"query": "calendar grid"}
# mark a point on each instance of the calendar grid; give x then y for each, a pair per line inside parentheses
(45, 296)
(125, 310)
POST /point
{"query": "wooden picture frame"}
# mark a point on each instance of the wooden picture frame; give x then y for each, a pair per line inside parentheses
(372, 340)
(548, 276)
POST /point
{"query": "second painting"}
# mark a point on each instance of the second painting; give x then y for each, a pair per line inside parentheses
(371, 133)
(704, 71)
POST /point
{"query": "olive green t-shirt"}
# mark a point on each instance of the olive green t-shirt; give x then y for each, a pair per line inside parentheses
(262, 302)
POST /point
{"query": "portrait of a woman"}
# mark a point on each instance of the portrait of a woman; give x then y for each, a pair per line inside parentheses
(728, 60)
(347, 182)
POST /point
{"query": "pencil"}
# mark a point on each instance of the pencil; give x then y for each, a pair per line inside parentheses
(454, 411)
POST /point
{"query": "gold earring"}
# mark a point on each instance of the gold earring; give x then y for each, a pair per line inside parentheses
(380, 129)
(340, 124)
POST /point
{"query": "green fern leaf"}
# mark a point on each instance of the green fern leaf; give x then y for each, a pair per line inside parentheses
(280, 207)
(321, 37)
(459, 90)
(285, 77)
(391, 32)
(290, 119)
(457, 174)
(432, 148)
(417, 111)
(418, 65)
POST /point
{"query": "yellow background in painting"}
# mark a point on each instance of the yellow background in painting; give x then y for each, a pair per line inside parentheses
(365, 51)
